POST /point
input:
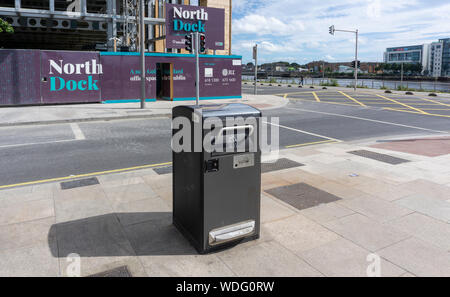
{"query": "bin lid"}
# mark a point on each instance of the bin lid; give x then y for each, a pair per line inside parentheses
(225, 110)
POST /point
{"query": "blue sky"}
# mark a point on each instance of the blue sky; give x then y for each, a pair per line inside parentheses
(297, 30)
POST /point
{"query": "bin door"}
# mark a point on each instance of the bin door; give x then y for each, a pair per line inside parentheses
(232, 193)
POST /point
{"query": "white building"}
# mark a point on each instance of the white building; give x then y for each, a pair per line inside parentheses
(408, 54)
(435, 58)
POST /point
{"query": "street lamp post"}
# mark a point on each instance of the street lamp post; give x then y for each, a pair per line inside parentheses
(142, 48)
(255, 56)
(356, 32)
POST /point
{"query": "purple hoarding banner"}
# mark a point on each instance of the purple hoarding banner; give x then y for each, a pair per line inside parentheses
(121, 78)
(185, 19)
(20, 77)
(47, 77)
(220, 77)
(70, 77)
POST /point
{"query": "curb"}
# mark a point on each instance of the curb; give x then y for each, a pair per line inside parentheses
(112, 118)
(85, 120)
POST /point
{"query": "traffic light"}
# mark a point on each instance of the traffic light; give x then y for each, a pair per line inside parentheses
(202, 43)
(332, 30)
(356, 64)
(188, 42)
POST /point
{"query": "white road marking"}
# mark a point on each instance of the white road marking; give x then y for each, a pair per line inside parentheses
(34, 143)
(77, 131)
(304, 132)
(369, 120)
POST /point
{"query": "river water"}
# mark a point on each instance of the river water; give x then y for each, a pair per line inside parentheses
(370, 83)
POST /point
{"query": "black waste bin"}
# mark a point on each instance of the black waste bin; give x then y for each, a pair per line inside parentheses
(217, 192)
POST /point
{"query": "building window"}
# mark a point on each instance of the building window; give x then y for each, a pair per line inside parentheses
(36, 4)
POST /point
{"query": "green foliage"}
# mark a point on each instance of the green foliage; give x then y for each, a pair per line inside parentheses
(5, 27)
(408, 68)
(331, 83)
(403, 88)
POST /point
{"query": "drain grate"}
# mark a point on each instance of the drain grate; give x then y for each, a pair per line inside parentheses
(279, 165)
(302, 196)
(163, 170)
(79, 183)
(379, 157)
(116, 272)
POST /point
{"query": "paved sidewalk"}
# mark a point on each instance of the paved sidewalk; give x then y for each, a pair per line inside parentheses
(358, 207)
(47, 114)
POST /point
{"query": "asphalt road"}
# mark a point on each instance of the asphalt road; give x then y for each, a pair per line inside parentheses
(33, 153)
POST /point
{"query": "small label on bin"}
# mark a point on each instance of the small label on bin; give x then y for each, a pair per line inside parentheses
(243, 161)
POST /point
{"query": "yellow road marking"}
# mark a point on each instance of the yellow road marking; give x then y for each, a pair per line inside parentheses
(402, 110)
(395, 101)
(347, 104)
(353, 99)
(423, 113)
(311, 143)
(436, 109)
(434, 101)
(84, 175)
(316, 97)
(391, 103)
(299, 93)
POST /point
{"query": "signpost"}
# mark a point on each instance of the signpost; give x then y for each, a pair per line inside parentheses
(197, 67)
(255, 57)
(142, 48)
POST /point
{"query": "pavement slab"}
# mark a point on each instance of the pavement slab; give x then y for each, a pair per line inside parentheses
(374, 208)
(326, 212)
(297, 233)
(419, 258)
(26, 234)
(185, 266)
(423, 203)
(26, 211)
(126, 194)
(425, 228)
(81, 203)
(342, 258)
(428, 187)
(272, 210)
(430, 147)
(365, 232)
(278, 261)
(29, 261)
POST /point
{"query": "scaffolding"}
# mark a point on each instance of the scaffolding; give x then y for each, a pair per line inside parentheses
(77, 24)
(130, 10)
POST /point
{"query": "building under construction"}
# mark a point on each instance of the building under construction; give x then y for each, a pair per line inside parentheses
(99, 25)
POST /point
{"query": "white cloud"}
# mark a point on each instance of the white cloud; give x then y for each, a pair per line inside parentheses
(301, 28)
(261, 25)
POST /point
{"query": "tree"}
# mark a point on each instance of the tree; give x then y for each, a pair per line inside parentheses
(5, 27)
